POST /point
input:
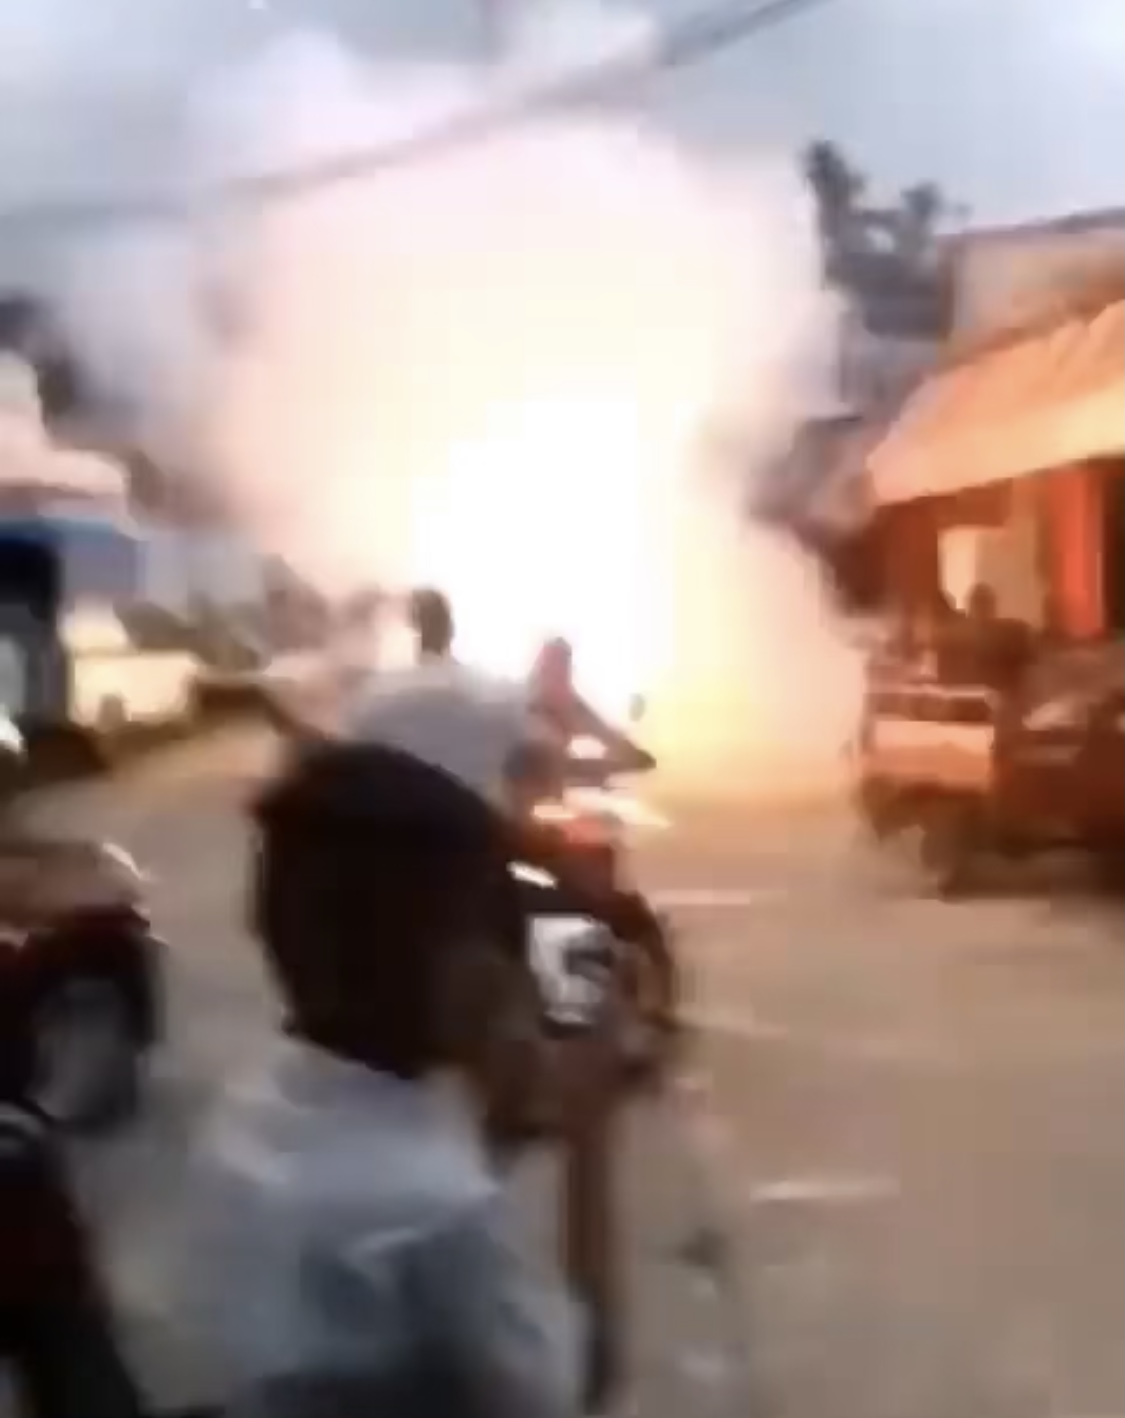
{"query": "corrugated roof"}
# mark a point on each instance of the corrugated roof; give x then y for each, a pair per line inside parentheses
(1070, 224)
(1083, 299)
(1045, 399)
(1092, 288)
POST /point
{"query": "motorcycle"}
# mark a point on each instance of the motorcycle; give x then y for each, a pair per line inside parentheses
(80, 970)
(592, 1016)
(606, 1003)
(591, 818)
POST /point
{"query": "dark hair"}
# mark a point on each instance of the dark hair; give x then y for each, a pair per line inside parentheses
(431, 616)
(372, 869)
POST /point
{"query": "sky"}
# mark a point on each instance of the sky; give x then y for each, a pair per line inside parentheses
(1009, 104)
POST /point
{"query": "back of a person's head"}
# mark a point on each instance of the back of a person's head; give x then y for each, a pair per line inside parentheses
(983, 602)
(372, 866)
(431, 618)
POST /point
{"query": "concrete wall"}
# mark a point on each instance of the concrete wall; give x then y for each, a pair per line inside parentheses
(1004, 277)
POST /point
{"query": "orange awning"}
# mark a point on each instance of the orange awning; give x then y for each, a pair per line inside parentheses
(1044, 402)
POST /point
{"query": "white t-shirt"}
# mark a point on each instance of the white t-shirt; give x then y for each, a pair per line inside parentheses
(467, 723)
(325, 1193)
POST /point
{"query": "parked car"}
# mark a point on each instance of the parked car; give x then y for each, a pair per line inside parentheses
(958, 763)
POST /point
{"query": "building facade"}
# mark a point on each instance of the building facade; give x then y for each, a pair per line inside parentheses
(1014, 446)
(1010, 276)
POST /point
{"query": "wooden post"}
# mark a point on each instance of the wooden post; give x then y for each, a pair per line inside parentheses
(1073, 514)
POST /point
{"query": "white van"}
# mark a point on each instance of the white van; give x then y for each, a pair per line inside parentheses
(84, 645)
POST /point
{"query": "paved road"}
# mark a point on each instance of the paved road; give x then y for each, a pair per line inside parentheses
(903, 1119)
(916, 1108)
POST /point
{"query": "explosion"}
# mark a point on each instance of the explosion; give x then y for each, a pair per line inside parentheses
(494, 369)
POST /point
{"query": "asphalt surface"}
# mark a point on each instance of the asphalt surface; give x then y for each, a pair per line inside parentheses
(889, 1185)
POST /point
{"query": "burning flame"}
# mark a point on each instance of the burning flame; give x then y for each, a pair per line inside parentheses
(494, 371)
(550, 524)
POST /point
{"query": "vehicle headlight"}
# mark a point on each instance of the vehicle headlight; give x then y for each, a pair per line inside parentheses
(11, 740)
(553, 811)
(123, 862)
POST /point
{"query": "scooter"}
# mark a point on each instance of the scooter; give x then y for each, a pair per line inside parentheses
(80, 965)
(94, 973)
(607, 1006)
(591, 817)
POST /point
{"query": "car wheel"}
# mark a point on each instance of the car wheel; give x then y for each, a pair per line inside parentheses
(110, 734)
(89, 1062)
(943, 848)
(877, 806)
(1109, 871)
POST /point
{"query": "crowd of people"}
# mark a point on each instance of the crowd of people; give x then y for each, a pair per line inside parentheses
(355, 1254)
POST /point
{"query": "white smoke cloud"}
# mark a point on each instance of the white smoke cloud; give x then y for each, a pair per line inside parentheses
(542, 38)
(496, 369)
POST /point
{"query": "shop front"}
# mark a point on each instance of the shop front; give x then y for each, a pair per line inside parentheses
(994, 713)
(1028, 437)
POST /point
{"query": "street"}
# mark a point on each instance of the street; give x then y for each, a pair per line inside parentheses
(888, 1186)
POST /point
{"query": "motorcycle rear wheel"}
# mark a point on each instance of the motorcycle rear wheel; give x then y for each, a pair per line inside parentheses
(89, 1062)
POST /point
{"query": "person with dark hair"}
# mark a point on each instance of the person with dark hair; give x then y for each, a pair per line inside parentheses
(355, 1242)
(508, 746)
(431, 618)
(484, 734)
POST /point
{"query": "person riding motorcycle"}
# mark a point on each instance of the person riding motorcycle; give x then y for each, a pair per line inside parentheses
(487, 733)
(556, 699)
(443, 711)
(507, 745)
(557, 702)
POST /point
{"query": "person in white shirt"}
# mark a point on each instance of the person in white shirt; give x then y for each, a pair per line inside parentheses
(471, 725)
(481, 734)
(354, 1240)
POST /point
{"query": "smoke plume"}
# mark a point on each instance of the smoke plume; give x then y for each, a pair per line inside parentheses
(500, 369)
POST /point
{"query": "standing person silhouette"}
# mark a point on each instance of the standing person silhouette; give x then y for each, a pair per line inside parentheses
(354, 1242)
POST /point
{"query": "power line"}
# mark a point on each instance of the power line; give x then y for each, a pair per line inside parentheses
(690, 41)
